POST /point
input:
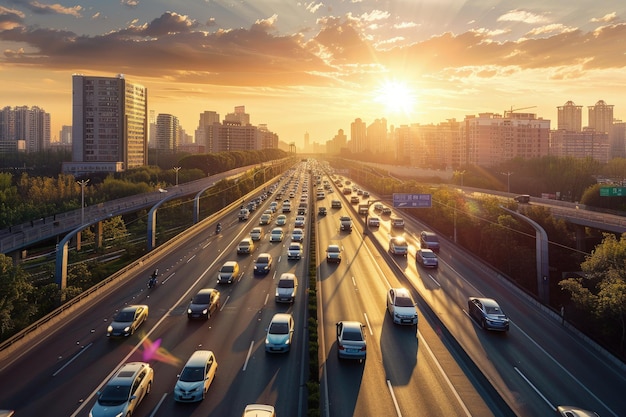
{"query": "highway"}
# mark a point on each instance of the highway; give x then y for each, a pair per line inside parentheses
(536, 366)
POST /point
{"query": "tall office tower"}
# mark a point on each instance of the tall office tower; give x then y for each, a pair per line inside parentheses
(492, 139)
(240, 116)
(109, 125)
(358, 136)
(167, 133)
(65, 135)
(569, 117)
(204, 132)
(24, 128)
(266, 139)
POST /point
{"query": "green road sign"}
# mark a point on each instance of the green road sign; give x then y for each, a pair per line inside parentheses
(613, 192)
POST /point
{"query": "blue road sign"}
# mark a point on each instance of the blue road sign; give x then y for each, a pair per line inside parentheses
(412, 200)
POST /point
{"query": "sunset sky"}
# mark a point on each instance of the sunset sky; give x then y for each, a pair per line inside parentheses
(315, 66)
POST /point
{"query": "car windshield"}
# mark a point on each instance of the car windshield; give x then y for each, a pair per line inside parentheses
(244, 244)
(493, 310)
(352, 334)
(202, 299)
(125, 316)
(192, 374)
(277, 232)
(404, 302)
(114, 395)
(262, 260)
(428, 255)
(431, 238)
(279, 328)
(333, 249)
(286, 283)
(227, 268)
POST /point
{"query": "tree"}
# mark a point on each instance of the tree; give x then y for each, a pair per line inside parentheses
(16, 307)
(602, 291)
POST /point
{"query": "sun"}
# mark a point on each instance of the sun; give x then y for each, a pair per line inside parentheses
(396, 96)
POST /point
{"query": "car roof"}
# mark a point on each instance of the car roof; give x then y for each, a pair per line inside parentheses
(126, 374)
(134, 307)
(288, 275)
(402, 292)
(199, 358)
(230, 263)
(281, 318)
(398, 239)
(277, 229)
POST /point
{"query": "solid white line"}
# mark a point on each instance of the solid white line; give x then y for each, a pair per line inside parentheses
(72, 360)
(353, 281)
(434, 280)
(158, 405)
(368, 324)
(267, 296)
(168, 278)
(189, 260)
(534, 388)
(393, 397)
(444, 375)
(225, 301)
(245, 364)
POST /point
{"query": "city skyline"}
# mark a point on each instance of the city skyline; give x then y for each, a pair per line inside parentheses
(315, 67)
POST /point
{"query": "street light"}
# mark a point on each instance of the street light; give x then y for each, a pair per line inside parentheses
(83, 184)
(508, 180)
(462, 174)
(176, 169)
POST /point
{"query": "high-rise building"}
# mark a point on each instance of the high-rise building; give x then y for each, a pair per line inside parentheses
(358, 136)
(65, 136)
(204, 132)
(239, 116)
(109, 125)
(377, 138)
(492, 139)
(601, 117)
(24, 128)
(588, 143)
(569, 117)
(167, 136)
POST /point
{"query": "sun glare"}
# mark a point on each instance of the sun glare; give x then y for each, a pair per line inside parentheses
(396, 97)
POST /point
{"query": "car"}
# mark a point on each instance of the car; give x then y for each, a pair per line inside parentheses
(281, 220)
(228, 272)
(333, 254)
(345, 224)
(427, 258)
(336, 204)
(294, 251)
(378, 207)
(401, 306)
(487, 313)
(127, 320)
(286, 288)
(366, 194)
(246, 246)
(429, 240)
(373, 222)
(397, 223)
(398, 246)
(280, 333)
(203, 304)
(321, 211)
(273, 206)
(196, 377)
(263, 263)
(523, 199)
(265, 219)
(297, 235)
(354, 199)
(351, 342)
(300, 221)
(123, 393)
(286, 207)
(244, 214)
(256, 233)
(385, 211)
(259, 410)
(277, 234)
(571, 411)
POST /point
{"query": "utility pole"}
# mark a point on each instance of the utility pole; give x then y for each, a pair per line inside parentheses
(508, 180)
(176, 169)
(83, 184)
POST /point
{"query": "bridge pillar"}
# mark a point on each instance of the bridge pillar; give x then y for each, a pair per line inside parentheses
(79, 242)
(99, 233)
(581, 243)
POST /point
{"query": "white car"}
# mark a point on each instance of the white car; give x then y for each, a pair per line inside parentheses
(281, 220)
(373, 222)
(427, 258)
(256, 233)
(297, 235)
(294, 251)
(300, 221)
(286, 288)
(398, 246)
(196, 377)
(124, 391)
(277, 234)
(401, 306)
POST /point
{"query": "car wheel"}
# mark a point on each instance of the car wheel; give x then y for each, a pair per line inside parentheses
(483, 324)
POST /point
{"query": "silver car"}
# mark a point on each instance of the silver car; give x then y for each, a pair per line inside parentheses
(286, 288)
(427, 258)
(351, 342)
(280, 333)
(294, 251)
(127, 320)
(124, 391)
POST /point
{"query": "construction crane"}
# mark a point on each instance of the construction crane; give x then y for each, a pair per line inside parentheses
(513, 110)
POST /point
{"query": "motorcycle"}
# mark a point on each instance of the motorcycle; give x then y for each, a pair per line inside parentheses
(218, 228)
(153, 279)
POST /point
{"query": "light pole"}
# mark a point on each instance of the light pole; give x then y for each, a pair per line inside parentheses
(462, 174)
(508, 180)
(83, 184)
(176, 169)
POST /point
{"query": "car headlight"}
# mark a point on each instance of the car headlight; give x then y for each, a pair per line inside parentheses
(189, 311)
(127, 329)
(110, 329)
(205, 311)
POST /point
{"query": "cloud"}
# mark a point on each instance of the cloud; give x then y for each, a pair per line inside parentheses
(522, 16)
(552, 28)
(42, 8)
(130, 3)
(10, 18)
(314, 7)
(607, 18)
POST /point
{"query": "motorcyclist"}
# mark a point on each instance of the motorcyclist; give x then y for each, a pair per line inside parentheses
(153, 278)
(218, 228)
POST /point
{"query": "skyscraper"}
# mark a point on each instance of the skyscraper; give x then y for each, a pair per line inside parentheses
(358, 136)
(601, 117)
(167, 133)
(24, 128)
(569, 117)
(109, 125)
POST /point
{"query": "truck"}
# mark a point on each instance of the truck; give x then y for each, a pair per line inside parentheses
(363, 209)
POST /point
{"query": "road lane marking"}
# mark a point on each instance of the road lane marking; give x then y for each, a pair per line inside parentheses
(393, 397)
(73, 359)
(245, 364)
(154, 412)
(368, 324)
(193, 256)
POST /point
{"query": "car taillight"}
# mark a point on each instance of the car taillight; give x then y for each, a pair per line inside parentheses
(341, 347)
(363, 348)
